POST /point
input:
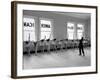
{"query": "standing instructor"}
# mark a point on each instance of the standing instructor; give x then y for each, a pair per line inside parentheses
(81, 49)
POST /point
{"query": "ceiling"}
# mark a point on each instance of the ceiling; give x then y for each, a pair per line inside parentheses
(71, 14)
(76, 15)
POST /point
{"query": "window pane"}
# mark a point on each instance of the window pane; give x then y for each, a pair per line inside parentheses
(29, 29)
(79, 35)
(45, 35)
(70, 30)
(70, 35)
(80, 31)
(26, 35)
(29, 36)
(46, 29)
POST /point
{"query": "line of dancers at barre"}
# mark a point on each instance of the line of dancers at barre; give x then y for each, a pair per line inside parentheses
(47, 45)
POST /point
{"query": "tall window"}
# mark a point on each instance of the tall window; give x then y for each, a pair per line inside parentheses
(80, 29)
(45, 29)
(29, 29)
(70, 31)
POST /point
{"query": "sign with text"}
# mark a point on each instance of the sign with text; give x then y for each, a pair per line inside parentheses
(45, 25)
(29, 23)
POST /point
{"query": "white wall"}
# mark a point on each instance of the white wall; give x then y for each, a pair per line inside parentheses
(5, 41)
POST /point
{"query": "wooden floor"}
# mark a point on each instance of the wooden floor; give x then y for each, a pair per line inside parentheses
(66, 58)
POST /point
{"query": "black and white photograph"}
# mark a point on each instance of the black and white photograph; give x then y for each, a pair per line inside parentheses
(54, 39)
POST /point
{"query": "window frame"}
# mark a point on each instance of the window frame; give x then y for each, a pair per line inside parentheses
(32, 17)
